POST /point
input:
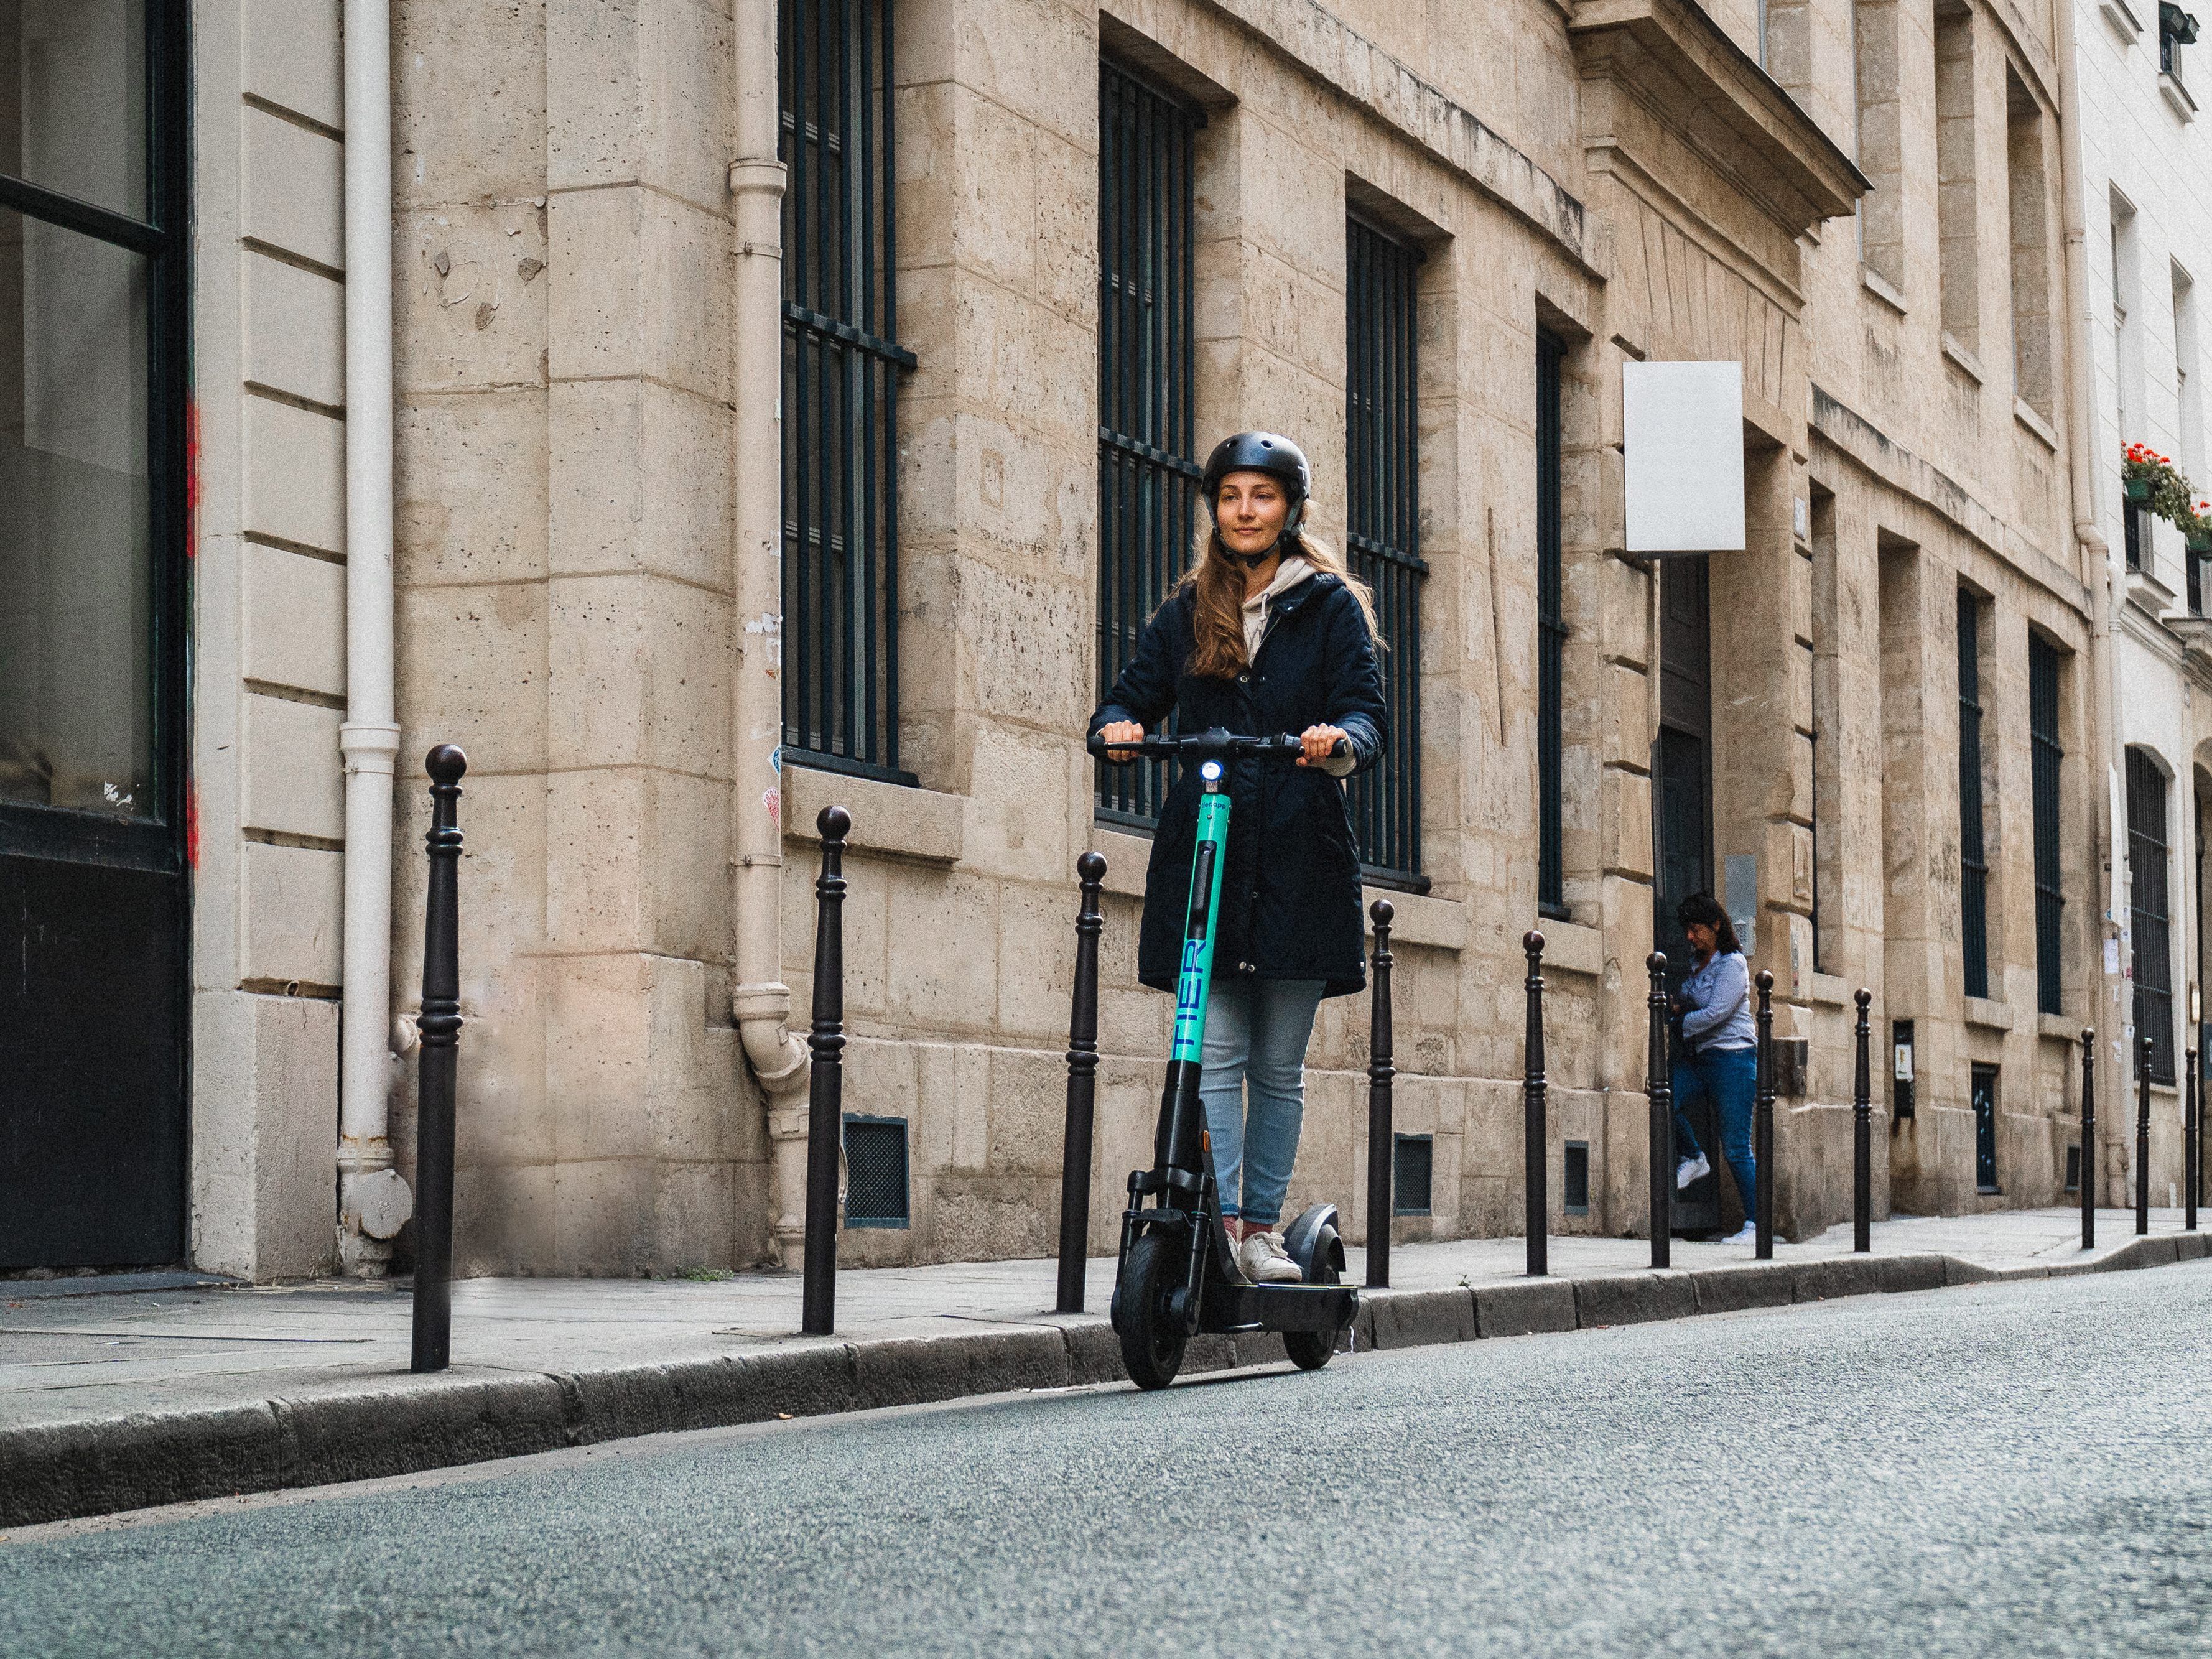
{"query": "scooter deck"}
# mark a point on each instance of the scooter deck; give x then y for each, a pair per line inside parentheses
(1225, 1308)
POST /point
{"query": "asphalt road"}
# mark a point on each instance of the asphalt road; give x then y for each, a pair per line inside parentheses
(2018, 1468)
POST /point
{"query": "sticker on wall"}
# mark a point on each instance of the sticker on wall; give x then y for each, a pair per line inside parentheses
(773, 800)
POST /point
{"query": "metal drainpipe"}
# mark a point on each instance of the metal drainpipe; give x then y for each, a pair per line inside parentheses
(2111, 1013)
(760, 1000)
(372, 1200)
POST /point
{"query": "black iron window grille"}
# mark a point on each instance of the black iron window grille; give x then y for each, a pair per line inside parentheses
(1551, 632)
(1382, 498)
(2148, 915)
(1412, 1174)
(1147, 473)
(876, 1187)
(840, 365)
(1973, 859)
(2046, 756)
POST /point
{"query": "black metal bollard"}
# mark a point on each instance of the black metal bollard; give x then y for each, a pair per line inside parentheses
(2089, 1140)
(2192, 1114)
(440, 1026)
(1082, 1090)
(1862, 1131)
(825, 1095)
(1762, 1130)
(2143, 1134)
(1537, 1212)
(1659, 1091)
(1382, 1136)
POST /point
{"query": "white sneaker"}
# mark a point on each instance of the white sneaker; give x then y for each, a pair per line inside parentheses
(1261, 1256)
(1690, 1170)
(1748, 1234)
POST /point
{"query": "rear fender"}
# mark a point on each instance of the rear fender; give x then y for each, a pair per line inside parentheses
(1313, 1242)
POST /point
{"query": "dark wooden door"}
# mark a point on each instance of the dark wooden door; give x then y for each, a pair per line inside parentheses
(92, 866)
(1682, 822)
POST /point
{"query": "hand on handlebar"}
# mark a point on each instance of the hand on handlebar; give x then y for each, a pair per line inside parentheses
(1122, 731)
(1318, 743)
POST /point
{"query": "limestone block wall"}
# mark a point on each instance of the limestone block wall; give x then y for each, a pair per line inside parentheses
(268, 634)
(1936, 466)
(563, 247)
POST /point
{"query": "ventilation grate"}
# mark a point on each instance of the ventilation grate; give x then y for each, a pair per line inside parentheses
(1577, 1180)
(875, 1171)
(1413, 1171)
(2073, 1169)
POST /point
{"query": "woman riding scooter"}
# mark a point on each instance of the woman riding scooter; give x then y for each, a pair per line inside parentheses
(1267, 633)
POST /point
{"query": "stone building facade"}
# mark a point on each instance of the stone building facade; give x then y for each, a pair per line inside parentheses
(763, 436)
(2144, 252)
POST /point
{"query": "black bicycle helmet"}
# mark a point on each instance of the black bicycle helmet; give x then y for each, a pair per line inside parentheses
(1260, 452)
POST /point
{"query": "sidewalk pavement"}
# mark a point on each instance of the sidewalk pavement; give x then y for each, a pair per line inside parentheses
(122, 1393)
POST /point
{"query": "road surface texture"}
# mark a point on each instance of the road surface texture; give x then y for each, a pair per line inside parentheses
(2002, 1468)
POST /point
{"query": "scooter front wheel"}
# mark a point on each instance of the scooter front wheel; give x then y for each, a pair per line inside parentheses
(1151, 1341)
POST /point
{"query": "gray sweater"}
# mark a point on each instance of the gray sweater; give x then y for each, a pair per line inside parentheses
(1716, 999)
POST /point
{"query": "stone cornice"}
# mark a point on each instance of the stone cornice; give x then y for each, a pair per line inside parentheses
(1670, 57)
(1856, 436)
(1355, 68)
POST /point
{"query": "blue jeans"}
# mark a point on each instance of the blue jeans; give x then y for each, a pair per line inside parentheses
(1730, 1078)
(1255, 1033)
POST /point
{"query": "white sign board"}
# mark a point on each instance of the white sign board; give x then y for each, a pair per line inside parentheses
(1682, 441)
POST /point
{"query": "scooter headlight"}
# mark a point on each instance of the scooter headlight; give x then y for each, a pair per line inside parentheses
(1210, 771)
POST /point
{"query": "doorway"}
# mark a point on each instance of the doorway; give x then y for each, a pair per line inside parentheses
(1682, 821)
(92, 866)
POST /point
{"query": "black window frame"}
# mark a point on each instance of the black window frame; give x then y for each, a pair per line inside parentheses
(1552, 632)
(2176, 28)
(842, 360)
(1973, 847)
(1382, 401)
(1148, 470)
(156, 841)
(2047, 756)
(2149, 908)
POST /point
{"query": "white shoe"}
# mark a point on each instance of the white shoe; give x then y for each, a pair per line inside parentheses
(1261, 1256)
(1748, 1234)
(1690, 1170)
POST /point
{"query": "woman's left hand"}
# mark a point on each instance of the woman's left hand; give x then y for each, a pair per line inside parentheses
(1320, 743)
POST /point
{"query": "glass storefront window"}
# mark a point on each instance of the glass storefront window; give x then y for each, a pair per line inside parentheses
(76, 554)
(73, 99)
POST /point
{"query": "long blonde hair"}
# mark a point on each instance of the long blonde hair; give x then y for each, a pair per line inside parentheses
(1217, 620)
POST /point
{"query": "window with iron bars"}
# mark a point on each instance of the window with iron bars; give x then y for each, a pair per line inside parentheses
(1147, 474)
(2046, 756)
(840, 364)
(1973, 861)
(1551, 632)
(2149, 918)
(1382, 498)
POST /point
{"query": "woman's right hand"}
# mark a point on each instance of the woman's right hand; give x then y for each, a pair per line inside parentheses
(1120, 732)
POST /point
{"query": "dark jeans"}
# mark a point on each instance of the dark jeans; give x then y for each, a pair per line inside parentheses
(1730, 1078)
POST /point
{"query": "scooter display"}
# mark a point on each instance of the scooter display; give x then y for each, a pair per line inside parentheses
(1178, 1274)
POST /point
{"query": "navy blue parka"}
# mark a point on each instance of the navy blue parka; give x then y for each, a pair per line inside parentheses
(1290, 887)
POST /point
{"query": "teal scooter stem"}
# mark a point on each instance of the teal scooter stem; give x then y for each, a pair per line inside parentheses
(1178, 1274)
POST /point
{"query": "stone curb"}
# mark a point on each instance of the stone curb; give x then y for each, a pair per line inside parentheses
(58, 1472)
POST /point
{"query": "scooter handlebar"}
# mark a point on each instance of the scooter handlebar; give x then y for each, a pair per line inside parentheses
(1201, 745)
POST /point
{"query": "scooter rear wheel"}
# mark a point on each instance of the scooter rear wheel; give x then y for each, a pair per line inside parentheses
(1310, 1350)
(1151, 1342)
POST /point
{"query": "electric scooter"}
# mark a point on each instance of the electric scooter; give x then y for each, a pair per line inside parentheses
(1178, 1274)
